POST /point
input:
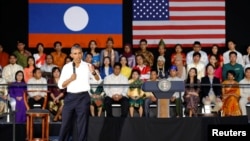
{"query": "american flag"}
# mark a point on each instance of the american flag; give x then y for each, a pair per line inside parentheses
(179, 21)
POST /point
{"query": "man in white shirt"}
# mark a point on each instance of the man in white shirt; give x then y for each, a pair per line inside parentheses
(75, 78)
(245, 91)
(37, 88)
(197, 48)
(231, 46)
(48, 66)
(198, 65)
(116, 94)
(10, 70)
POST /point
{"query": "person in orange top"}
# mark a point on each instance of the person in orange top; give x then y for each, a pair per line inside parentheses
(28, 70)
(58, 55)
(230, 96)
(3, 57)
(178, 53)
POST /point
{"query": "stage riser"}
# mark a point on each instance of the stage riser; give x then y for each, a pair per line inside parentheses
(135, 129)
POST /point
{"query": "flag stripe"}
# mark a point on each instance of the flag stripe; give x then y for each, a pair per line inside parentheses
(185, 42)
(183, 45)
(78, 1)
(206, 36)
(176, 27)
(178, 32)
(179, 22)
(197, 13)
(208, 3)
(187, 21)
(197, 8)
(197, 18)
(69, 39)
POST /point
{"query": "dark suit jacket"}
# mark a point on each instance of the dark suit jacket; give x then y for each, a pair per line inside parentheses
(205, 89)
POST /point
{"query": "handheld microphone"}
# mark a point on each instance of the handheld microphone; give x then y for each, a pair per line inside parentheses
(74, 67)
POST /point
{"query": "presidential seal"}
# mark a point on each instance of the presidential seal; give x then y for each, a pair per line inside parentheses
(164, 85)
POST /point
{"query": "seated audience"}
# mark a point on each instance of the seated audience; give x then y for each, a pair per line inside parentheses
(245, 92)
(110, 52)
(233, 65)
(128, 53)
(29, 68)
(246, 57)
(144, 69)
(147, 55)
(197, 49)
(116, 94)
(16, 90)
(3, 56)
(47, 67)
(135, 93)
(232, 48)
(230, 95)
(10, 70)
(106, 68)
(92, 49)
(56, 95)
(215, 52)
(161, 68)
(200, 67)
(3, 94)
(149, 96)
(213, 60)
(97, 95)
(126, 70)
(58, 55)
(191, 96)
(67, 59)
(176, 97)
(40, 56)
(162, 52)
(21, 54)
(178, 53)
(211, 90)
(37, 87)
(181, 69)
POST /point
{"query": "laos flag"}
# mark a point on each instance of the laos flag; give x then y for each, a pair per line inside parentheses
(75, 21)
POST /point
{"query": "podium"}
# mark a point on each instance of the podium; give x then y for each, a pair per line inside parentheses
(163, 91)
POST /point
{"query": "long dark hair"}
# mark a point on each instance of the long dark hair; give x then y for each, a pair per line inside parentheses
(18, 73)
(134, 70)
(31, 57)
(195, 78)
(217, 64)
(53, 70)
(104, 61)
(125, 58)
(218, 52)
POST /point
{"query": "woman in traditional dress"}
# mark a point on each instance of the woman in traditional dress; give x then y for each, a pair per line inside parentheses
(230, 95)
(16, 90)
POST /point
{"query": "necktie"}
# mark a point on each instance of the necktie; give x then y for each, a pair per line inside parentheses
(161, 74)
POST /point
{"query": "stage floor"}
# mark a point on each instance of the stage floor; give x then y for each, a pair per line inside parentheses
(134, 129)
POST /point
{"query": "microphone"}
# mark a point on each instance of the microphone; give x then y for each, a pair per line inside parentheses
(74, 67)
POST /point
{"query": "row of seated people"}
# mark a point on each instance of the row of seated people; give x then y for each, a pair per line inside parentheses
(231, 100)
(106, 69)
(231, 59)
(128, 51)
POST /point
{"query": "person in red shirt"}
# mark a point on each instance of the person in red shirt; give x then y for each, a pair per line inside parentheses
(3, 57)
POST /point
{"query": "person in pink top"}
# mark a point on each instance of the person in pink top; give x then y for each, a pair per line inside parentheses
(28, 70)
(216, 64)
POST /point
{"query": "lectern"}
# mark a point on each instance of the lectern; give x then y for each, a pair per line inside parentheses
(163, 91)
